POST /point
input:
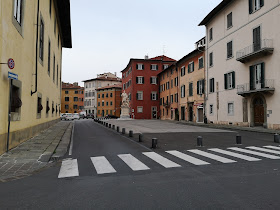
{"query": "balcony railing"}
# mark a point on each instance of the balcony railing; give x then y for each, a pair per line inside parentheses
(246, 89)
(263, 48)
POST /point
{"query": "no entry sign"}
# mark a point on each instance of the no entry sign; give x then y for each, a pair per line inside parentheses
(11, 63)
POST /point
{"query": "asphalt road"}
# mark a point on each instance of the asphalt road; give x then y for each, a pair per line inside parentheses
(237, 185)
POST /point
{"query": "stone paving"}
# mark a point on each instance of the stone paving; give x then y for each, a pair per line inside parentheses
(25, 158)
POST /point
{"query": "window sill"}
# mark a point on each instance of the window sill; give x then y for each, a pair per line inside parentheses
(201, 68)
(229, 58)
(230, 27)
(211, 66)
(38, 116)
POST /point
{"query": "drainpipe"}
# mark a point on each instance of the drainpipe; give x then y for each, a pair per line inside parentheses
(36, 57)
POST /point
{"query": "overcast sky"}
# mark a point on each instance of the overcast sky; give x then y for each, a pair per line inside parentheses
(106, 34)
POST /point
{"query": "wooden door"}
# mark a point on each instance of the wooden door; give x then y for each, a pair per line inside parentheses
(258, 112)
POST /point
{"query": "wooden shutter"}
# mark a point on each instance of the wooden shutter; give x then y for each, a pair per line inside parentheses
(136, 96)
(213, 85)
(136, 80)
(151, 79)
(202, 86)
(250, 6)
(151, 66)
(143, 66)
(142, 80)
(252, 76)
(262, 75)
(192, 66)
(156, 67)
(197, 89)
(225, 82)
(233, 79)
(261, 3)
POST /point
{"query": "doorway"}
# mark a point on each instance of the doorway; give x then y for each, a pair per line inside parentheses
(200, 115)
(182, 113)
(258, 111)
(154, 112)
(191, 112)
(176, 114)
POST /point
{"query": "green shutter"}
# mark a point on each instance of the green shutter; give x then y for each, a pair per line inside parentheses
(143, 80)
(197, 87)
(252, 81)
(203, 81)
(261, 3)
(233, 79)
(250, 6)
(225, 82)
(262, 75)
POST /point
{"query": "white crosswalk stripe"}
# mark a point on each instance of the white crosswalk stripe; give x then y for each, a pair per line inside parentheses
(102, 165)
(187, 158)
(133, 162)
(233, 154)
(265, 150)
(212, 156)
(161, 160)
(272, 147)
(69, 168)
(254, 153)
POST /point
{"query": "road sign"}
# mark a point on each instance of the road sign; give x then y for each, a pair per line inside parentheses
(12, 76)
(11, 63)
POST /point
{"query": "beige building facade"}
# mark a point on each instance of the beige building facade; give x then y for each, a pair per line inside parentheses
(33, 33)
(242, 72)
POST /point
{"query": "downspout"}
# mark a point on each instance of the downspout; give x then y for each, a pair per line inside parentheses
(36, 57)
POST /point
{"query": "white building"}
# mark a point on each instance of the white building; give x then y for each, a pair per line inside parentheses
(102, 80)
(242, 72)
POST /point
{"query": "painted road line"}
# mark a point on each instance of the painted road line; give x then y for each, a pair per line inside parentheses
(233, 154)
(212, 156)
(102, 165)
(161, 160)
(72, 140)
(272, 147)
(133, 163)
(265, 150)
(69, 168)
(187, 158)
(254, 153)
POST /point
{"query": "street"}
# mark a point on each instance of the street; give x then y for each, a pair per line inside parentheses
(108, 170)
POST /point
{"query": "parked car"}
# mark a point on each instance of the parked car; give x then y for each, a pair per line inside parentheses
(62, 116)
(111, 116)
(69, 116)
(82, 116)
(76, 116)
(90, 116)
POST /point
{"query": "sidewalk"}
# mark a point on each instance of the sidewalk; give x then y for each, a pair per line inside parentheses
(229, 127)
(34, 153)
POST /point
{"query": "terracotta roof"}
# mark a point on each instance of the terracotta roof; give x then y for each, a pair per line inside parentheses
(104, 79)
(111, 86)
(162, 58)
(215, 11)
(70, 86)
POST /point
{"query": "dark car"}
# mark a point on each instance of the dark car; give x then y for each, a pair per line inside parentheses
(90, 116)
(111, 116)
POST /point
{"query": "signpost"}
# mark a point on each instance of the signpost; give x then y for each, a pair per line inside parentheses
(12, 76)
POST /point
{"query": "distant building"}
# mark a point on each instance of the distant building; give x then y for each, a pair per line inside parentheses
(242, 71)
(109, 100)
(72, 98)
(102, 80)
(140, 82)
(33, 33)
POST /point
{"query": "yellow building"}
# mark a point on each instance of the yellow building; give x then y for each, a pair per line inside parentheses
(33, 34)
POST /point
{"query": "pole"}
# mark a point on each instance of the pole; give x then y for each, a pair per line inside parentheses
(9, 114)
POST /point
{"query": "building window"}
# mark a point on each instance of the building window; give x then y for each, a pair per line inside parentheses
(107, 95)
(190, 89)
(211, 111)
(154, 96)
(66, 92)
(49, 58)
(176, 81)
(183, 71)
(39, 105)
(139, 95)
(229, 20)
(212, 85)
(255, 5)
(139, 80)
(50, 7)
(41, 44)
(211, 59)
(210, 34)
(75, 98)
(153, 80)
(191, 67)
(229, 80)
(183, 91)
(18, 11)
(111, 103)
(140, 66)
(171, 99)
(66, 106)
(16, 102)
(98, 103)
(167, 86)
(103, 95)
(102, 103)
(53, 68)
(200, 63)
(171, 83)
(230, 108)
(229, 50)
(257, 76)
(154, 67)
(75, 106)
(200, 87)
(57, 75)
(139, 109)
(66, 98)
(76, 92)
(165, 66)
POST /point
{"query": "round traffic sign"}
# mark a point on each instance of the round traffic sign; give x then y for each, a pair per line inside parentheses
(11, 63)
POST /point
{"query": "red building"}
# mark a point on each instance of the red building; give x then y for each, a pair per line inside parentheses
(140, 82)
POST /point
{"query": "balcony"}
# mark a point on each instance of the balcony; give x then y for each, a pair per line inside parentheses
(247, 89)
(256, 50)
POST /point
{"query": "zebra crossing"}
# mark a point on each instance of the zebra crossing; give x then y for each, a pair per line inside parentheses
(69, 167)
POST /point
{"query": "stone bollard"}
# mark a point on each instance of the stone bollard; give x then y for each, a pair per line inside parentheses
(140, 137)
(154, 143)
(118, 128)
(199, 141)
(130, 134)
(238, 139)
(109, 125)
(276, 138)
(113, 127)
(106, 124)
(123, 131)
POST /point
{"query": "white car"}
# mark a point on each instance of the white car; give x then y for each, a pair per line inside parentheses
(69, 116)
(62, 116)
(76, 116)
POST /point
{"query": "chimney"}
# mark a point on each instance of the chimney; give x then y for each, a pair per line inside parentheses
(75, 83)
(115, 73)
(146, 57)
